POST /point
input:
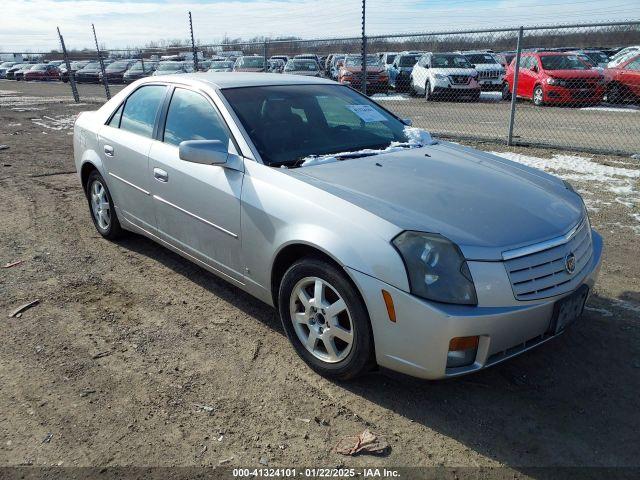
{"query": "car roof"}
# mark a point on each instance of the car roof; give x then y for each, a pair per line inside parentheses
(243, 79)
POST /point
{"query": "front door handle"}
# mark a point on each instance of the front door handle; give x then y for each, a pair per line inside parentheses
(108, 150)
(160, 175)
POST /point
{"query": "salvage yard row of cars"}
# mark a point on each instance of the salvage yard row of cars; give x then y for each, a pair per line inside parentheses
(546, 76)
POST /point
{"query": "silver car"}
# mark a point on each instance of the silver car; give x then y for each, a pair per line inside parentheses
(378, 245)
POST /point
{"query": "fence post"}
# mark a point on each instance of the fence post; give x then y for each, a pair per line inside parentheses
(514, 94)
(72, 78)
(193, 45)
(364, 50)
(105, 82)
(265, 52)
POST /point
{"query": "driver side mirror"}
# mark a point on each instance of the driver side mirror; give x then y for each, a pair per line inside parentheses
(205, 152)
(534, 68)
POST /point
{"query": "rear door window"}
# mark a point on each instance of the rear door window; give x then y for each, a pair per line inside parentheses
(141, 109)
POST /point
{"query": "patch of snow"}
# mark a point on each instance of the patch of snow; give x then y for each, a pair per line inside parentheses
(416, 138)
(14, 124)
(59, 122)
(390, 98)
(630, 109)
(618, 180)
(602, 311)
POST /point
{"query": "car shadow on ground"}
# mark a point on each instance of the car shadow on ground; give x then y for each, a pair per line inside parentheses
(571, 402)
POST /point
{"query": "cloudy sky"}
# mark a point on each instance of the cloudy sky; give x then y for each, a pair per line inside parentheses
(30, 25)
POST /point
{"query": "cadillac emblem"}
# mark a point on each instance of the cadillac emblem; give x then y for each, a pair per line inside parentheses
(570, 263)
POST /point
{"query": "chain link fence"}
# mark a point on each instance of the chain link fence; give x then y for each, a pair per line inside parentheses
(574, 87)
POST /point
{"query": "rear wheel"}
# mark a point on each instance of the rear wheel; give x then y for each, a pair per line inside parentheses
(103, 212)
(325, 319)
(538, 96)
(614, 93)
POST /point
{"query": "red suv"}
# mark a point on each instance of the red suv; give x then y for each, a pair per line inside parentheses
(623, 81)
(555, 78)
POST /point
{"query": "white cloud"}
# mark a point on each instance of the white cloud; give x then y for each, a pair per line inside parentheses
(30, 24)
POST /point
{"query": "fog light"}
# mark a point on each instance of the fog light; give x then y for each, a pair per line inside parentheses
(462, 351)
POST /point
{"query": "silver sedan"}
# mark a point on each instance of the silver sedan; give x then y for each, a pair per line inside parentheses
(378, 245)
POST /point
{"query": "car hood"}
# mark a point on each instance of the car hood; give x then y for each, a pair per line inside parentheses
(488, 66)
(369, 69)
(594, 74)
(453, 71)
(484, 203)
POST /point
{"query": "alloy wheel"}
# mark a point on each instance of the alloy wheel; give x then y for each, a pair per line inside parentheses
(538, 96)
(321, 319)
(100, 205)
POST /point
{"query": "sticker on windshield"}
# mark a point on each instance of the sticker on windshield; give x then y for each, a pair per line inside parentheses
(367, 113)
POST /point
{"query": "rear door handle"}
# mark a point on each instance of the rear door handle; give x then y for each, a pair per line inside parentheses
(160, 175)
(108, 150)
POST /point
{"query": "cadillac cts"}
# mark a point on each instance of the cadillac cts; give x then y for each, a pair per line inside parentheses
(377, 245)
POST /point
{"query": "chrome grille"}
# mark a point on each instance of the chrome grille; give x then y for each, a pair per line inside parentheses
(485, 74)
(460, 79)
(544, 274)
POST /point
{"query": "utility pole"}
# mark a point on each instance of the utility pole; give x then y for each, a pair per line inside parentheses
(364, 49)
(72, 78)
(193, 45)
(105, 82)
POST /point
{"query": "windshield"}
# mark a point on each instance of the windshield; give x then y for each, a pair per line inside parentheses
(390, 58)
(408, 60)
(562, 62)
(478, 58)
(92, 66)
(117, 66)
(170, 66)
(221, 64)
(301, 65)
(39, 68)
(597, 57)
(449, 61)
(372, 61)
(252, 62)
(292, 122)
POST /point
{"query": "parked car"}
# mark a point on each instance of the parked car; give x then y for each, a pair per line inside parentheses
(555, 78)
(19, 74)
(42, 71)
(56, 63)
(623, 81)
(400, 70)
(276, 65)
(4, 66)
(622, 55)
(387, 58)
(90, 73)
(406, 258)
(490, 72)
(596, 57)
(173, 68)
(11, 71)
(302, 67)
(327, 64)
(307, 56)
(445, 76)
(139, 70)
(253, 63)
(505, 58)
(116, 70)
(221, 66)
(377, 77)
(336, 64)
(75, 66)
(284, 58)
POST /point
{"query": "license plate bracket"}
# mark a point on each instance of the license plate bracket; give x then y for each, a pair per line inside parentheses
(568, 310)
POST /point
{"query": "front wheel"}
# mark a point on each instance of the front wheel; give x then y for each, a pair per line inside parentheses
(506, 92)
(428, 96)
(538, 96)
(614, 93)
(325, 319)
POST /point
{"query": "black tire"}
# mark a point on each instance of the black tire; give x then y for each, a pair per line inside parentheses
(538, 96)
(428, 96)
(615, 93)
(113, 231)
(360, 358)
(506, 93)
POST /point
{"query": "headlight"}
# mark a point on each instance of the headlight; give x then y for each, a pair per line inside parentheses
(556, 81)
(440, 76)
(436, 268)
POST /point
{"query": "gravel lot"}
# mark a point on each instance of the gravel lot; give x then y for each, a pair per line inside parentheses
(134, 356)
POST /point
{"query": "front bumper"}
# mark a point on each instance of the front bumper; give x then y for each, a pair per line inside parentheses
(557, 94)
(417, 343)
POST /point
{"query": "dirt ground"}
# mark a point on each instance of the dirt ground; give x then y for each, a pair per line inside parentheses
(134, 356)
